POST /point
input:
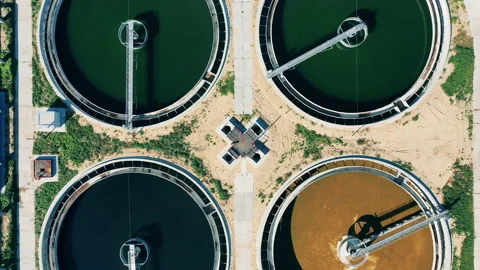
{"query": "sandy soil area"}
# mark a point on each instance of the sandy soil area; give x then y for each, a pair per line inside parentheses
(432, 143)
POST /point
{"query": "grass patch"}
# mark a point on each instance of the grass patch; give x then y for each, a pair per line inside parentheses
(405, 165)
(174, 145)
(458, 194)
(223, 193)
(209, 139)
(310, 143)
(226, 85)
(245, 118)
(280, 179)
(459, 85)
(8, 201)
(469, 116)
(43, 93)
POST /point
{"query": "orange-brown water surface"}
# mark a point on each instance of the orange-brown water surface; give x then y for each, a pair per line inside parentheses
(345, 204)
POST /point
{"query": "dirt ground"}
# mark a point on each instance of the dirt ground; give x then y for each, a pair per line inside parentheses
(432, 143)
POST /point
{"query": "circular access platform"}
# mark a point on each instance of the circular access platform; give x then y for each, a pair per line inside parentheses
(364, 79)
(181, 59)
(319, 217)
(164, 213)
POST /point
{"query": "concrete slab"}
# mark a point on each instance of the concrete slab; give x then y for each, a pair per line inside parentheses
(24, 136)
(50, 120)
(243, 208)
(242, 48)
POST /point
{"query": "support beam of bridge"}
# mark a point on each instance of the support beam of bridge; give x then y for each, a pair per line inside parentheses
(390, 228)
(374, 247)
(320, 48)
(131, 258)
(129, 78)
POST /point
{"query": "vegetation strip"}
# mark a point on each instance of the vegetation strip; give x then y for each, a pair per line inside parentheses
(43, 93)
(458, 197)
(9, 200)
(310, 143)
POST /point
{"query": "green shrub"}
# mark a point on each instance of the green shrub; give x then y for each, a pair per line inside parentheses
(226, 85)
(223, 194)
(406, 165)
(279, 180)
(458, 196)
(313, 143)
(459, 84)
(361, 141)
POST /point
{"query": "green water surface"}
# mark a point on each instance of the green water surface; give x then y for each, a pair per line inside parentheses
(374, 74)
(122, 206)
(172, 62)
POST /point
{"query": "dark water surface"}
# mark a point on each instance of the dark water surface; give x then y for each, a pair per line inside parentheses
(338, 205)
(98, 224)
(380, 70)
(172, 62)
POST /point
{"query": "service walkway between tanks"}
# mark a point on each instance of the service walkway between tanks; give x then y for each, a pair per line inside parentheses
(473, 9)
(242, 45)
(243, 219)
(24, 137)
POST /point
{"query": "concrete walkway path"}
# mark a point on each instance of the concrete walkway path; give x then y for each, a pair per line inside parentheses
(473, 9)
(242, 45)
(243, 208)
(24, 136)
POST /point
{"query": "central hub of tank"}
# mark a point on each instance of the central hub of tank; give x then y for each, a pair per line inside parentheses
(356, 38)
(346, 247)
(134, 30)
(134, 253)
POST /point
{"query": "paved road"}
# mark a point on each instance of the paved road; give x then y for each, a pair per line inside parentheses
(243, 236)
(242, 45)
(473, 8)
(24, 133)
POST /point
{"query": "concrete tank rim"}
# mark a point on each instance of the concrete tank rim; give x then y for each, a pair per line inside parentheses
(446, 244)
(43, 248)
(446, 37)
(47, 70)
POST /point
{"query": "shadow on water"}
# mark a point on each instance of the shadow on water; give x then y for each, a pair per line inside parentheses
(301, 83)
(284, 255)
(73, 73)
(369, 225)
(368, 16)
(150, 19)
(284, 55)
(152, 234)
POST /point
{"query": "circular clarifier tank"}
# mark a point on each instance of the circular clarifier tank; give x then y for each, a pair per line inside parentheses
(353, 199)
(86, 55)
(163, 211)
(391, 65)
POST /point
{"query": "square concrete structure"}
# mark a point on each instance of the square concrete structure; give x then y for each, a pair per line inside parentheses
(243, 141)
(45, 168)
(50, 120)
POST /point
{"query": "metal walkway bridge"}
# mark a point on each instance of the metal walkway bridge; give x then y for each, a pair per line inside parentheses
(129, 77)
(374, 247)
(320, 48)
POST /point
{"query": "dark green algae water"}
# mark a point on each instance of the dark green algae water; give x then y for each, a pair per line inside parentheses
(354, 80)
(173, 61)
(98, 224)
